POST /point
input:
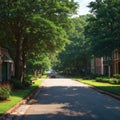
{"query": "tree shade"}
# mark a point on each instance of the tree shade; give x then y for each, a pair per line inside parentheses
(103, 29)
(29, 26)
(74, 59)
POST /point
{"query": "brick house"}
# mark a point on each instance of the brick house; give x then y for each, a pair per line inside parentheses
(106, 65)
(6, 65)
(116, 62)
(112, 64)
(97, 66)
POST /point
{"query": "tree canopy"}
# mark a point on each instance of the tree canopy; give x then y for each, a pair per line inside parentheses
(75, 56)
(28, 26)
(103, 29)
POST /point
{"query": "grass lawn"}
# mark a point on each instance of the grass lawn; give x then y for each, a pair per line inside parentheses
(44, 76)
(113, 88)
(17, 96)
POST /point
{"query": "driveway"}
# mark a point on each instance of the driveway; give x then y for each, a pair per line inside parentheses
(65, 99)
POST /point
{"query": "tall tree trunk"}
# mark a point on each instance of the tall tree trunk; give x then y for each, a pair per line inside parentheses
(24, 60)
(24, 57)
(109, 71)
(18, 59)
(86, 64)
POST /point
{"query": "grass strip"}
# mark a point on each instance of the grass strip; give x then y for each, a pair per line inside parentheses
(44, 76)
(17, 96)
(112, 88)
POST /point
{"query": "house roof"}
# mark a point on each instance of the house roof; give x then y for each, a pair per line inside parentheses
(6, 58)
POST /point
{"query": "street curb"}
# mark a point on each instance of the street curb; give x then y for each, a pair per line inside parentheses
(22, 102)
(101, 91)
(105, 92)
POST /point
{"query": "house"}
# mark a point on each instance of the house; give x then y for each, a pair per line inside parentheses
(106, 65)
(112, 64)
(97, 66)
(116, 62)
(6, 65)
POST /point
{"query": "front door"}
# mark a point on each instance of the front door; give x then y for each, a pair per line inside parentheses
(4, 71)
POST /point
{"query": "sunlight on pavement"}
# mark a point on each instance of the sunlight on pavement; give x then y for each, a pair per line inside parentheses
(62, 82)
(54, 109)
(21, 110)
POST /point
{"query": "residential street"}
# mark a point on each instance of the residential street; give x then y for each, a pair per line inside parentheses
(65, 99)
(41, 40)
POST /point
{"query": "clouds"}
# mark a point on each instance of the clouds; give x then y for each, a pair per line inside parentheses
(83, 6)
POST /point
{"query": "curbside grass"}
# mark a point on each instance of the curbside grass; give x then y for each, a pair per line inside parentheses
(111, 88)
(17, 96)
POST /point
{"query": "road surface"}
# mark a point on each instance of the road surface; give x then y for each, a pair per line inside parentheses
(65, 99)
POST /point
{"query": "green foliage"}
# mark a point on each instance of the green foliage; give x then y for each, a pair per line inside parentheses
(103, 30)
(117, 76)
(102, 79)
(108, 80)
(74, 58)
(30, 26)
(16, 83)
(40, 62)
(27, 83)
(5, 91)
(114, 81)
(112, 88)
(17, 96)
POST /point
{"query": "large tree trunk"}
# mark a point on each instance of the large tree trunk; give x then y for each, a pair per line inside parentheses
(18, 59)
(24, 60)
(86, 64)
(19, 48)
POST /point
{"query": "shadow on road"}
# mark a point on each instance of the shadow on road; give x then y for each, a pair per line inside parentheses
(72, 103)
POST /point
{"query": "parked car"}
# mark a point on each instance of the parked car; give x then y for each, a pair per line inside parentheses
(52, 75)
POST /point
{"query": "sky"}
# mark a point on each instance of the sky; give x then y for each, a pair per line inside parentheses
(83, 6)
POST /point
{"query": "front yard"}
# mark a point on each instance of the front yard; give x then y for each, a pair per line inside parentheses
(17, 96)
(112, 88)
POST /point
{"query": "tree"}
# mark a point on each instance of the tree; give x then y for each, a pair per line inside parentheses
(39, 64)
(75, 56)
(103, 29)
(28, 26)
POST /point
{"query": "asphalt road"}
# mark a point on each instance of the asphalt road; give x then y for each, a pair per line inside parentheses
(65, 99)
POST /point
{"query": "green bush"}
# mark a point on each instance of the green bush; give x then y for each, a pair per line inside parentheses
(27, 83)
(117, 76)
(102, 79)
(5, 90)
(99, 79)
(108, 80)
(16, 83)
(114, 81)
(28, 77)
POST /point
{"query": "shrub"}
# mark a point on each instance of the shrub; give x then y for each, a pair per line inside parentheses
(98, 79)
(102, 79)
(5, 90)
(117, 76)
(28, 77)
(114, 81)
(108, 80)
(16, 83)
(27, 83)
